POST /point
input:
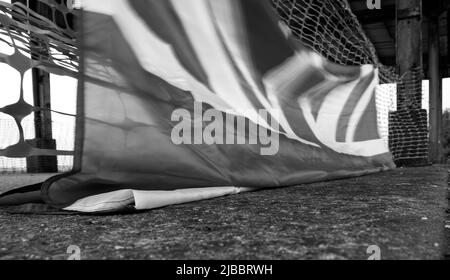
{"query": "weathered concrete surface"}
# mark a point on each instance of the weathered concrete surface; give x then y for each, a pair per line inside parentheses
(402, 211)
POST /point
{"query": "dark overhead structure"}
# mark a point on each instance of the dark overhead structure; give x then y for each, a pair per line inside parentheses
(380, 27)
(413, 34)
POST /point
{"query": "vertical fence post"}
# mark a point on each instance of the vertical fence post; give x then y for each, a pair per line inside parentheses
(42, 118)
(436, 149)
(408, 125)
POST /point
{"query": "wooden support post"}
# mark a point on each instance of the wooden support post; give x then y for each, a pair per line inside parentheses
(447, 66)
(409, 50)
(408, 125)
(41, 94)
(42, 118)
(435, 144)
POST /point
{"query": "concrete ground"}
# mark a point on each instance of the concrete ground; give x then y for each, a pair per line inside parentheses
(403, 212)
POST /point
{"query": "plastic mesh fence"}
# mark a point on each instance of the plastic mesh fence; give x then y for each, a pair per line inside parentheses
(330, 28)
(36, 34)
(408, 124)
(63, 132)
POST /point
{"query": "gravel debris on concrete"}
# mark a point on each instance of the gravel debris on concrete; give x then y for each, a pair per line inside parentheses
(400, 211)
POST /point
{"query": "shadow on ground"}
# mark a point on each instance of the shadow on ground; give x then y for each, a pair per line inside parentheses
(401, 211)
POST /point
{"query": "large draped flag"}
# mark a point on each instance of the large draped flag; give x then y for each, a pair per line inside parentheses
(183, 100)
